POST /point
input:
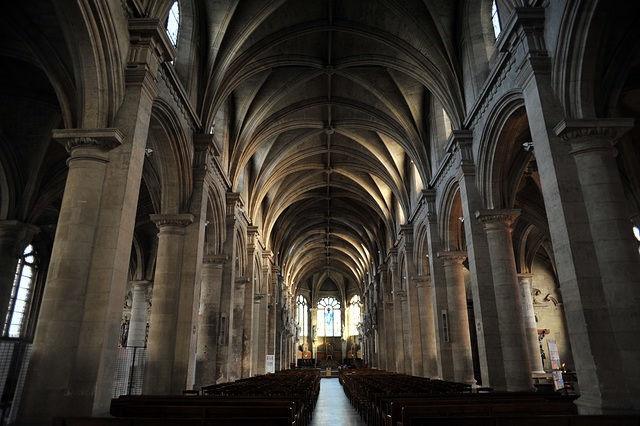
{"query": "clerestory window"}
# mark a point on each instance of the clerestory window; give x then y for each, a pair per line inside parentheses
(21, 293)
(173, 23)
(495, 20)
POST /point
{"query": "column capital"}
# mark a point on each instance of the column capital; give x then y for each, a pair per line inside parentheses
(215, 259)
(175, 220)
(242, 281)
(140, 284)
(497, 218)
(101, 140)
(421, 280)
(451, 258)
(586, 135)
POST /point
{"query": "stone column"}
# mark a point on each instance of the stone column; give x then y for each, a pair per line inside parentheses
(457, 318)
(497, 224)
(607, 374)
(415, 349)
(139, 313)
(271, 313)
(61, 320)
(490, 355)
(161, 345)
(616, 249)
(531, 329)
(259, 333)
(427, 321)
(439, 286)
(209, 320)
(229, 269)
(14, 237)
(184, 366)
(100, 207)
(237, 337)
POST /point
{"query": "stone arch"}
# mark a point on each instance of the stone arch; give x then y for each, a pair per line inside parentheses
(241, 254)
(477, 32)
(96, 53)
(421, 251)
(171, 157)
(7, 188)
(451, 227)
(215, 232)
(506, 122)
(590, 80)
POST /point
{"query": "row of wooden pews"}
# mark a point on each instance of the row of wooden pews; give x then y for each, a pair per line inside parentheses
(285, 398)
(391, 399)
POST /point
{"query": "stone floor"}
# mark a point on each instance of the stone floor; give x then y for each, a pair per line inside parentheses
(333, 407)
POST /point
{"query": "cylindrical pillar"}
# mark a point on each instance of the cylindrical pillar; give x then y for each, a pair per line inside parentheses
(616, 249)
(497, 224)
(139, 312)
(208, 320)
(457, 318)
(166, 292)
(531, 329)
(428, 326)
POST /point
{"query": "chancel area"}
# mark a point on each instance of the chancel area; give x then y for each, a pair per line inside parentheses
(246, 199)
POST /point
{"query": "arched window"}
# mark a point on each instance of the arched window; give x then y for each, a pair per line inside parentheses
(495, 19)
(173, 23)
(329, 322)
(21, 293)
(355, 315)
(303, 315)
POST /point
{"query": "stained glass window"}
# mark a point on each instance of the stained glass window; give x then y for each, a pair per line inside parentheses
(303, 315)
(21, 293)
(355, 315)
(329, 321)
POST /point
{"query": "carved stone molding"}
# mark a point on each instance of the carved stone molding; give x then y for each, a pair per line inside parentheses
(103, 140)
(497, 218)
(452, 258)
(215, 259)
(176, 220)
(587, 135)
(421, 280)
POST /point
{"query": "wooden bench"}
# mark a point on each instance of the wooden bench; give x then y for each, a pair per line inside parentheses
(210, 408)
(569, 420)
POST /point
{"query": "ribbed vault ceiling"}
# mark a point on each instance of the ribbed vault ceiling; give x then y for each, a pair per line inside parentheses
(326, 106)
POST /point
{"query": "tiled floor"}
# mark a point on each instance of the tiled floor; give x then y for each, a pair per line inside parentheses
(333, 407)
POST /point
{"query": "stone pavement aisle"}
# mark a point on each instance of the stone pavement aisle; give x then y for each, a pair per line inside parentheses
(333, 407)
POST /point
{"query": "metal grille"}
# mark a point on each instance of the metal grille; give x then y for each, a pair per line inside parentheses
(26, 357)
(129, 371)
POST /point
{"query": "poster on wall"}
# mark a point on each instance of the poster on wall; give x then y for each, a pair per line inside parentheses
(556, 365)
(271, 367)
(554, 355)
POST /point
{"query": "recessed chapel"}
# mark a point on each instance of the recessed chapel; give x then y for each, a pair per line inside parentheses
(195, 192)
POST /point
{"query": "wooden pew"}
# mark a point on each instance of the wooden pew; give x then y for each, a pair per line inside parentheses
(570, 420)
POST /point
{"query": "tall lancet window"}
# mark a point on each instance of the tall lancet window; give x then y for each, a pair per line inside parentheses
(329, 321)
(21, 294)
(173, 23)
(495, 19)
(303, 315)
(355, 315)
